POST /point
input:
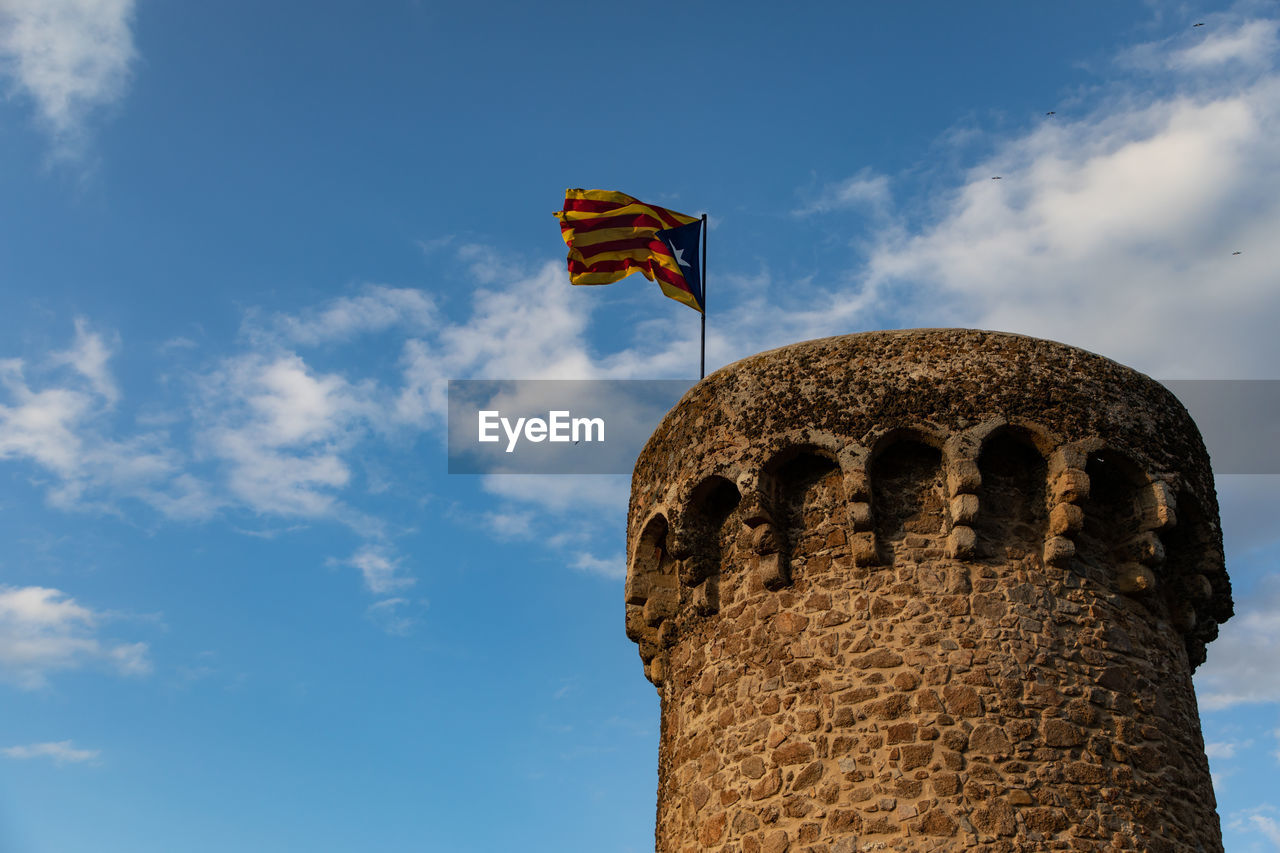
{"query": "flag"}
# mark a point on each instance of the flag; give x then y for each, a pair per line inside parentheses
(611, 235)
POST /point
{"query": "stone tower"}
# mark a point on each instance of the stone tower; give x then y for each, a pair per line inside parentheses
(927, 590)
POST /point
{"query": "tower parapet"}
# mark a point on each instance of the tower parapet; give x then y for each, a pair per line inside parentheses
(927, 590)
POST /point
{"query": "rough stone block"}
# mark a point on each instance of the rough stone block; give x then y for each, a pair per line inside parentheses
(809, 776)
(963, 476)
(775, 841)
(961, 542)
(771, 569)
(1071, 486)
(1135, 578)
(636, 590)
(860, 517)
(704, 599)
(1061, 733)
(987, 739)
(755, 511)
(857, 486)
(863, 547)
(964, 509)
(1065, 519)
(1145, 548)
(1058, 550)
(792, 753)
(661, 604)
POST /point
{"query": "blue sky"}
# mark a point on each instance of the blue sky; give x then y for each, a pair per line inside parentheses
(245, 245)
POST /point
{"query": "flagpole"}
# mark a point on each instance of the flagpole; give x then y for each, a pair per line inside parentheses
(702, 368)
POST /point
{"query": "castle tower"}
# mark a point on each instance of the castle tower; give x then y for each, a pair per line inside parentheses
(927, 590)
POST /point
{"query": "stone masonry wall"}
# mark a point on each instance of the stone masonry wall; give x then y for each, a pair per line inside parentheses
(895, 621)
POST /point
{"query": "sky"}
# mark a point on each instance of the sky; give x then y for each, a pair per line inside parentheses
(245, 245)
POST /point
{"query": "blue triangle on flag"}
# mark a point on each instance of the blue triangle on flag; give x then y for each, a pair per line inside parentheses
(684, 243)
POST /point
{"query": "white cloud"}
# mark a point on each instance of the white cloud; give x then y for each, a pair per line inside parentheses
(1113, 231)
(389, 615)
(1241, 665)
(1267, 826)
(1223, 749)
(43, 630)
(1257, 820)
(60, 752)
(865, 190)
(509, 525)
(68, 56)
(532, 327)
(282, 429)
(563, 492)
(89, 355)
(1250, 43)
(42, 425)
(379, 569)
(522, 325)
(613, 567)
(63, 428)
(376, 309)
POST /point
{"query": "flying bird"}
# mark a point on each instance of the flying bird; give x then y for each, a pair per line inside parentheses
(1051, 113)
(1201, 24)
(1236, 253)
(996, 178)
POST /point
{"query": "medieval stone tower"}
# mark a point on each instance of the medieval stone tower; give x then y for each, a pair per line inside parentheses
(927, 590)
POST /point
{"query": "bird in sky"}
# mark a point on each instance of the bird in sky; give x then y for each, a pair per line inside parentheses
(1201, 24)
(1051, 113)
(1237, 253)
(996, 178)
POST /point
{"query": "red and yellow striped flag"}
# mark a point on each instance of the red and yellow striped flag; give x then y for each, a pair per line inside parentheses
(611, 235)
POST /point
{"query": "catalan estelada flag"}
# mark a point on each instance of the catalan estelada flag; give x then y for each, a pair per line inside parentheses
(611, 235)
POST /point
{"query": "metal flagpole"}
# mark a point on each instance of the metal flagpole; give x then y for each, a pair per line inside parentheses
(702, 368)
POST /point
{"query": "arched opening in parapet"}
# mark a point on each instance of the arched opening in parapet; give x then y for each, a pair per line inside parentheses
(1012, 515)
(810, 502)
(1112, 514)
(651, 564)
(1194, 574)
(711, 504)
(1191, 542)
(908, 494)
(714, 499)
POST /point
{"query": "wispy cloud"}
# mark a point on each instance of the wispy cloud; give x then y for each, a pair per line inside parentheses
(1250, 43)
(89, 356)
(59, 752)
(613, 566)
(69, 57)
(43, 630)
(509, 525)
(1259, 820)
(281, 430)
(865, 190)
(376, 308)
(1224, 749)
(1241, 667)
(63, 426)
(390, 614)
(1106, 230)
(379, 568)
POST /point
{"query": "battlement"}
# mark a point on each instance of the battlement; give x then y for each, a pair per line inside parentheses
(836, 536)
